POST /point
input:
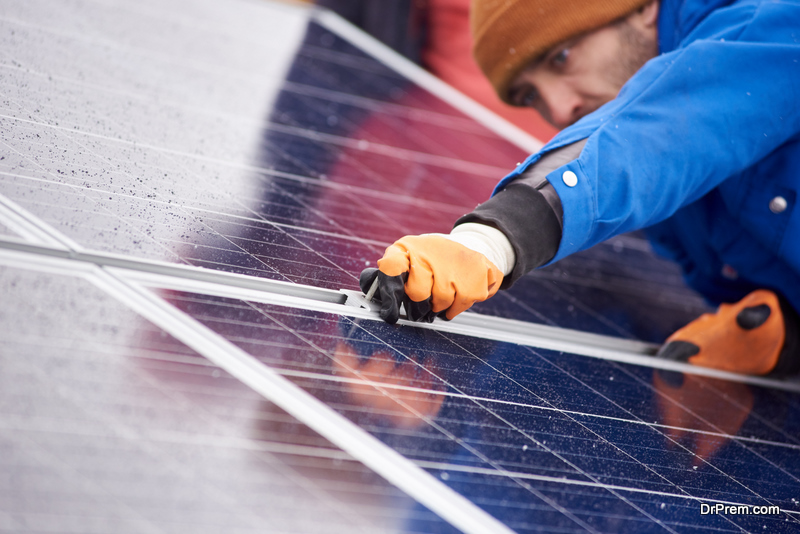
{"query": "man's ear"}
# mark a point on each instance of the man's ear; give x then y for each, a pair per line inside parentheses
(646, 16)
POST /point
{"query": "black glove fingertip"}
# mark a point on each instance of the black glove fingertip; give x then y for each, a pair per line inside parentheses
(419, 311)
(678, 351)
(392, 291)
(366, 279)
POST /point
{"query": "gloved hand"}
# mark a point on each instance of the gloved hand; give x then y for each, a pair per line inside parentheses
(746, 337)
(431, 274)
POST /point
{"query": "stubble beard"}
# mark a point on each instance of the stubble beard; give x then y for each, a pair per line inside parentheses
(636, 49)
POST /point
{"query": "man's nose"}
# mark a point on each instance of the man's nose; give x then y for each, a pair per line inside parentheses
(564, 105)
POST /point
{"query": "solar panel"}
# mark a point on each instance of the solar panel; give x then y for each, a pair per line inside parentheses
(111, 424)
(185, 188)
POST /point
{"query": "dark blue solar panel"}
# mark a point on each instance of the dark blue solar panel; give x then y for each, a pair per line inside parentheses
(249, 138)
(541, 440)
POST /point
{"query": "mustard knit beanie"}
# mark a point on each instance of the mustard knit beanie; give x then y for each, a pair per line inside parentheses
(509, 34)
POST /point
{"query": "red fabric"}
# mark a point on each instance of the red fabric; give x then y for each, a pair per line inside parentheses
(448, 55)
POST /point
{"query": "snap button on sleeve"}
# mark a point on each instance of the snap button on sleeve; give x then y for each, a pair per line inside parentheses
(778, 205)
(571, 179)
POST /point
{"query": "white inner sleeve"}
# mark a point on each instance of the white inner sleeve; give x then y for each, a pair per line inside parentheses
(489, 241)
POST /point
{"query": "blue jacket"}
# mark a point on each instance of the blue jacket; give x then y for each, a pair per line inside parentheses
(698, 146)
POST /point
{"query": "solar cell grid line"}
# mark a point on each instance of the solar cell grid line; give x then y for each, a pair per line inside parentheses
(610, 488)
(587, 416)
(721, 389)
(673, 436)
(406, 154)
(750, 450)
(630, 384)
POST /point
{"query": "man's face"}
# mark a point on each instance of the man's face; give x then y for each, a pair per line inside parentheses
(578, 76)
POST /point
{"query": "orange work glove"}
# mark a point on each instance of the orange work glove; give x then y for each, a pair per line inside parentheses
(746, 337)
(448, 275)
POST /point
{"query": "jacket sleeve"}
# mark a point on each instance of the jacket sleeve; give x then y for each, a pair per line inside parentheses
(529, 213)
(687, 121)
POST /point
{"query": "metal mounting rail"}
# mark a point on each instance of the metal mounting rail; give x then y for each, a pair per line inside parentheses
(160, 275)
(187, 272)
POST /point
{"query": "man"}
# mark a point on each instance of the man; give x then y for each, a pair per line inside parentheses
(701, 145)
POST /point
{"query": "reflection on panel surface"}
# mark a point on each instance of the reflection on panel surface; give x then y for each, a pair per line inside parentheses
(110, 424)
(537, 438)
(254, 140)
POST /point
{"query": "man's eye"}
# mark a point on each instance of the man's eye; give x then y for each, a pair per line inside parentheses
(560, 58)
(527, 98)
